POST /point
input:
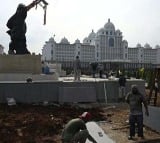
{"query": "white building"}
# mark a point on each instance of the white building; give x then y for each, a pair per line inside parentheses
(64, 51)
(145, 54)
(109, 43)
(106, 44)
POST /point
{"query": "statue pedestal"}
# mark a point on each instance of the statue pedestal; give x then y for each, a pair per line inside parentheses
(21, 67)
(20, 64)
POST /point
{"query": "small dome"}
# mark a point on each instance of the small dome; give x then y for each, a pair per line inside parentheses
(125, 41)
(77, 41)
(109, 26)
(92, 35)
(118, 31)
(101, 31)
(147, 46)
(157, 47)
(64, 41)
(85, 39)
(138, 45)
(51, 39)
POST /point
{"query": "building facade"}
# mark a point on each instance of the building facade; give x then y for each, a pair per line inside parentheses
(106, 45)
(109, 43)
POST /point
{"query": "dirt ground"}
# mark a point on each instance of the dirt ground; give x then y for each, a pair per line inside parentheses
(117, 126)
(44, 124)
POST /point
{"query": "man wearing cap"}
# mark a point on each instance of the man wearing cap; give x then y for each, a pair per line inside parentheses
(75, 130)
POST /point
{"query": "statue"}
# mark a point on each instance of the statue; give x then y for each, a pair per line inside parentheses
(17, 28)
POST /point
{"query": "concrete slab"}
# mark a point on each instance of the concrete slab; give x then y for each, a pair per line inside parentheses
(153, 121)
(97, 133)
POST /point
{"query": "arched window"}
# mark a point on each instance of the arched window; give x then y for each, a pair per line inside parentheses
(111, 42)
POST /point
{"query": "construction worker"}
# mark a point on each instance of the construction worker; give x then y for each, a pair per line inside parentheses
(156, 91)
(135, 100)
(75, 130)
(77, 69)
(122, 85)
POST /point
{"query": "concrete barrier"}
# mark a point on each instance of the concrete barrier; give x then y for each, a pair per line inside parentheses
(153, 119)
(59, 91)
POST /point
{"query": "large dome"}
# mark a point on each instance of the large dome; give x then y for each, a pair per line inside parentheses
(109, 26)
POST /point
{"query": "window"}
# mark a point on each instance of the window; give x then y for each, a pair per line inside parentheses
(106, 32)
(125, 55)
(110, 32)
(111, 42)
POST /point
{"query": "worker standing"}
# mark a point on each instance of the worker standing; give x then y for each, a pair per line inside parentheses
(122, 86)
(156, 91)
(77, 69)
(135, 100)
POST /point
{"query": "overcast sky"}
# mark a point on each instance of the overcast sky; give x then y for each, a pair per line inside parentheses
(138, 20)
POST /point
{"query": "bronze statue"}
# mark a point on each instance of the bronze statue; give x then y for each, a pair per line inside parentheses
(17, 28)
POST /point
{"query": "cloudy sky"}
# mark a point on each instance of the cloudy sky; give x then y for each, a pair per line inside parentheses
(139, 20)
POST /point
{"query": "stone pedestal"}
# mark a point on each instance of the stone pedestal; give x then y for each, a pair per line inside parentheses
(20, 64)
(21, 67)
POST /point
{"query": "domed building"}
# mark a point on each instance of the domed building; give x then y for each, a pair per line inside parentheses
(64, 52)
(90, 39)
(108, 43)
(105, 46)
